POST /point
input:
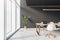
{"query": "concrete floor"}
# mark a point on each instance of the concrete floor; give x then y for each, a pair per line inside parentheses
(30, 34)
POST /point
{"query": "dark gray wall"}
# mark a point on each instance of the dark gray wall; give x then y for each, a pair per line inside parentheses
(43, 2)
(37, 15)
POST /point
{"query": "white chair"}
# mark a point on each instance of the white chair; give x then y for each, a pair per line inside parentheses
(50, 27)
(38, 26)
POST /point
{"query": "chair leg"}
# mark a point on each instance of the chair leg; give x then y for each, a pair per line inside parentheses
(38, 30)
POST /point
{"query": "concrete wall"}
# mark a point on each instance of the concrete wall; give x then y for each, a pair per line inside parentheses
(37, 15)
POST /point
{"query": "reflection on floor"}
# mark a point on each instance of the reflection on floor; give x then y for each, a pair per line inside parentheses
(30, 34)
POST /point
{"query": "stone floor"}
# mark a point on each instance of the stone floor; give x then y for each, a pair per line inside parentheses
(30, 34)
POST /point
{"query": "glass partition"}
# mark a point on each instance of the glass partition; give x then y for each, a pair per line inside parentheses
(12, 16)
(9, 16)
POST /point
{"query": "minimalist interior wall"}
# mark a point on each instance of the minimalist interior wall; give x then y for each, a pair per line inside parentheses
(37, 15)
(2, 25)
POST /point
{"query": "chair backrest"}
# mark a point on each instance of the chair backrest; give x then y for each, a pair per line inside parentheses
(58, 24)
(52, 22)
(42, 24)
(51, 26)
